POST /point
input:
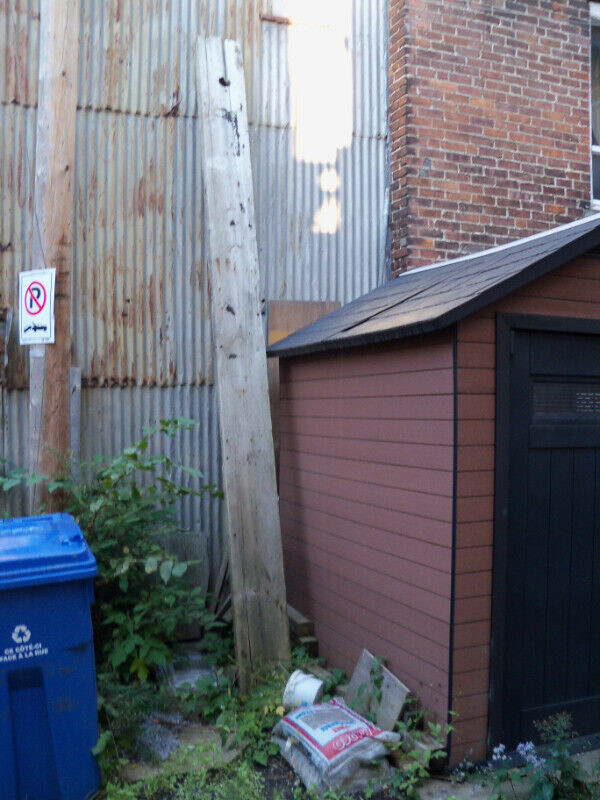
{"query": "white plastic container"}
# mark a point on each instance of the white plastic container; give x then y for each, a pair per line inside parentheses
(302, 689)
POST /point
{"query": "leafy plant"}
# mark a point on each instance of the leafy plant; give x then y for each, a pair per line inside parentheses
(558, 774)
(376, 673)
(331, 682)
(406, 781)
(552, 772)
(193, 775)
(236, 781)
(247, 722)
(126, 509)
(207, 698)
(418, 737)
(327, 794)
(122, 708)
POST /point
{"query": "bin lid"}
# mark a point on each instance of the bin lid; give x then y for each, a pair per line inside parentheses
(46, 549)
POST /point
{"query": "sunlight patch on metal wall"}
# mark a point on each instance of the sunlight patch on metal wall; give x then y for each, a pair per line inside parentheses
(305, 261)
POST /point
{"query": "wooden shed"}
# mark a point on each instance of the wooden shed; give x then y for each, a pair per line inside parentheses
(440, 483)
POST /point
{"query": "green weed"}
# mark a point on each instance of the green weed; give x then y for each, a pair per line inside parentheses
(126, 509)
(551, 772)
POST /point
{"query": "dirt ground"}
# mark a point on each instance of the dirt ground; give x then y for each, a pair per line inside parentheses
(279, 777)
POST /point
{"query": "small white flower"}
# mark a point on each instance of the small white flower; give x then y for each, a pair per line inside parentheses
(525, 748)
(499, 753)
(529, 754)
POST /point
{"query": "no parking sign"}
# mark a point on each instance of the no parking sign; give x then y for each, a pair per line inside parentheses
(36, 306)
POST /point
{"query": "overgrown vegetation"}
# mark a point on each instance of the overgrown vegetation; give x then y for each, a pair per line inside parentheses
(126, 509)
(243, 722)
(551, 772)
(202, 782)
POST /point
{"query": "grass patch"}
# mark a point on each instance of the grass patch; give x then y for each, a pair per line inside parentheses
(238, 780)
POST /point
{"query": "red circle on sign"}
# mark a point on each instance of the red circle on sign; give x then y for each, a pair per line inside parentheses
(35, 298)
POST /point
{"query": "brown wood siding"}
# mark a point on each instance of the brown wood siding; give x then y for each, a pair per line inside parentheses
(571, 291)
(366, 489)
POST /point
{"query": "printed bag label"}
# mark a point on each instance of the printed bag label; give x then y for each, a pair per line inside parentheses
(331, 728)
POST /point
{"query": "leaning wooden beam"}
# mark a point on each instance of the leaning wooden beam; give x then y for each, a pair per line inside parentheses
(255, 552)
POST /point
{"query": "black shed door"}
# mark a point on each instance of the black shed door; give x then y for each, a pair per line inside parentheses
(552, 590)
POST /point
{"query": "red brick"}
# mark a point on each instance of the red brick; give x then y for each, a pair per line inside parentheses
(489, 122)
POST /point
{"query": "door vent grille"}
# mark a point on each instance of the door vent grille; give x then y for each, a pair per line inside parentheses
(566, 402)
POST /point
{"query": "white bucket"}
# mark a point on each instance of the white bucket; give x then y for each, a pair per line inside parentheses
(302, 689)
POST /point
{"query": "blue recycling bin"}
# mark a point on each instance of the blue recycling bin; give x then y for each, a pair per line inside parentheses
(48, 707)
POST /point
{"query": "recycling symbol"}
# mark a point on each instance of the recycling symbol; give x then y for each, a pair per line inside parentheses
(21, 634)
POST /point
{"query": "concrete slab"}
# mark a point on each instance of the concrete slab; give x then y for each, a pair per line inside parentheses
(393, 692)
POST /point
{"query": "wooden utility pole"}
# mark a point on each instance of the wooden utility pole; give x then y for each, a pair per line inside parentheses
(49, 365)
(256, 561)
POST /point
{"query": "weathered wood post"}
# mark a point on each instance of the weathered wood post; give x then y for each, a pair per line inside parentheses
(256, 561)
(49, 389)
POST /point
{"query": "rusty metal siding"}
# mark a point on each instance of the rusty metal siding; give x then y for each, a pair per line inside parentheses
(134, 57)
(140, 304)
(17, 153)
(134, 408)
(114, 418)
(19, 46)
(139, 58)
(140, 307)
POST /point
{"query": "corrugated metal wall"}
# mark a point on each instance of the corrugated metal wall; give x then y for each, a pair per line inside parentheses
(141, 331)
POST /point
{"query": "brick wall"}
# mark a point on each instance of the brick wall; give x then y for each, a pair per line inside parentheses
(489, 122)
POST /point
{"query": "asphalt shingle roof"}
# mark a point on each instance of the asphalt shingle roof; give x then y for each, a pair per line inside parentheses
(432, 298)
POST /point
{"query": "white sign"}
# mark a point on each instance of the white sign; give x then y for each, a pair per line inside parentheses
(36, 306)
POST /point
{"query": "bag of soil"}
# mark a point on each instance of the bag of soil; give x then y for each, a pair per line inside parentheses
(330, 746)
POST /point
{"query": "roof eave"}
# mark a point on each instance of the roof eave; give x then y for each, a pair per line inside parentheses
(563, 255)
